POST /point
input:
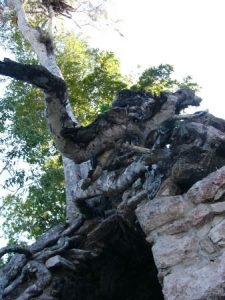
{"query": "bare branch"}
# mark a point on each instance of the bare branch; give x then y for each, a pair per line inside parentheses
(36, 75)
(124, 119)
(14, 249)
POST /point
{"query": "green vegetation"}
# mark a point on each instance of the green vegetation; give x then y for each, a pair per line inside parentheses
(158, 79)
(93, 77)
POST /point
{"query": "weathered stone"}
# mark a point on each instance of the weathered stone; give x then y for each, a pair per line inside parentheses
(218, 208)
(207, 245)
(206, 189)
(169, 251)
(217, 234)
(168, 188)
(205, 282)
(220, 193)
(188, 240)
(59, 261)
(199, 214)
(160, 211)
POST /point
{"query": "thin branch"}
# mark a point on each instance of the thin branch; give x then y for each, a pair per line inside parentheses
(9, 190)
(32, 35)
(3, 169)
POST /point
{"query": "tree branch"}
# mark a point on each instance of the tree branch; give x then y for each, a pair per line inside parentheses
(135, 119)
(55, 90)
(14, 249)
(32, 35)
(36, 75)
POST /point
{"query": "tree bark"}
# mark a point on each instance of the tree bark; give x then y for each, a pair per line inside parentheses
(154, 174)
(146, 170)
(47, 59)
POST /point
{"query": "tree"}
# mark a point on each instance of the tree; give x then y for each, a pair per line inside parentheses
(158, 79)
(92, 78)
(101, 254)
(43, 46)
(90, 74)
(141, 149)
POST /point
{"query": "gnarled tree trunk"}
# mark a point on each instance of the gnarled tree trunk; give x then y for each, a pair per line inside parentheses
(47, 59)
(151, 202)
(155, 174)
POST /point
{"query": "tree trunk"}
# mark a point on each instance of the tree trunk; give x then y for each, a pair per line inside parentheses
(48, 60)
(151, 202)
(73, 174)
(151, 211)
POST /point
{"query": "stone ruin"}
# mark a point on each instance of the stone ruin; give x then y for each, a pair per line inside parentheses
(152, 211)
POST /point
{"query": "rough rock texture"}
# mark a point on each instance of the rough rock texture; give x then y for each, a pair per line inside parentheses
(187, 234)
(155, 189)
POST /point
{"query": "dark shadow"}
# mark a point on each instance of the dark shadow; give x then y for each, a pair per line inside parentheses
(124, 271)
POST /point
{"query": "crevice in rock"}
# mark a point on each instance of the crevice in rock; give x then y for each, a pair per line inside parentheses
(119, 273)
(149, 169)
(111, 261)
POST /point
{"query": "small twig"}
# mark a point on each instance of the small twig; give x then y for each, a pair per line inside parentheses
(3, 169)
(11, 191)
(75, 22)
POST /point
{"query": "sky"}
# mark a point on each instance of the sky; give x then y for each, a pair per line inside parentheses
(189, 34)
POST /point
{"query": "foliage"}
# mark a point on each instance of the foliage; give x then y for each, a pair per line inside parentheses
(43, 208)
(92, 77)
(158, 79)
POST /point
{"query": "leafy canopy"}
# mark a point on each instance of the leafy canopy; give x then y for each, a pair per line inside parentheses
(93, 77)
(158, 79)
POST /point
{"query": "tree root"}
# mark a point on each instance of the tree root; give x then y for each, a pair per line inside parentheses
(15, 249)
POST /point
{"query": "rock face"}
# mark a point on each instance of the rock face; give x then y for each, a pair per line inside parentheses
(187, 234)
(151, 206)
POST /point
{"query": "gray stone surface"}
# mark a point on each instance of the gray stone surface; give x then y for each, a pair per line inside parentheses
(60, 262)
(187, 234)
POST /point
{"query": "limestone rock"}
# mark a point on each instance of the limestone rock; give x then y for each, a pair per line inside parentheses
(160, 211)
(208, 188)
(187, 234)
(168, 188)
